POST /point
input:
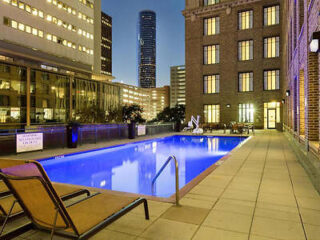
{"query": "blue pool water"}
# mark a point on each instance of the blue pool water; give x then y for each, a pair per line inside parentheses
(131, 167)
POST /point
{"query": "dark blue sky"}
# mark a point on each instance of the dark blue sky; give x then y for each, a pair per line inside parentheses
(170, 37)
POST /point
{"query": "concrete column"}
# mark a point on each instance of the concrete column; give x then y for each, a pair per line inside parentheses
(28, 95)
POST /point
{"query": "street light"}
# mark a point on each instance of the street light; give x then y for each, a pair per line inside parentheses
(314, 44)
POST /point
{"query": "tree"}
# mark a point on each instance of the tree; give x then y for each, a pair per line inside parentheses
(132, 113)
(175, 114)
(92, 114)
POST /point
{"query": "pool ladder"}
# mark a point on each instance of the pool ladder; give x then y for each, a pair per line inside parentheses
(176, 173)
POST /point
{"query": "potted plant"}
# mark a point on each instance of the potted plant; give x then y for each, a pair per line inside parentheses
(132, 114)
(72, 134)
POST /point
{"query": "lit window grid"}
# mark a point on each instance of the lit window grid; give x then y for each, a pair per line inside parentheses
(210, 2)
(38, 13)
(245, 20)
(211, 26)
(212, 113)
(245, 50)
(271, 47)
(272, 80)
(246, 113)
(87, 3)
(211, 84)
(271, 15)
(50, 37)
(71, 10)
(246, 82)
(211, 54)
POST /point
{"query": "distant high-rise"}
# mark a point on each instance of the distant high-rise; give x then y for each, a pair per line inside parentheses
(177, 85)
(106, 44)
(147, 49)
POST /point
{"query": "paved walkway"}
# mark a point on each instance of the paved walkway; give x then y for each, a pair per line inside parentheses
(260, 193)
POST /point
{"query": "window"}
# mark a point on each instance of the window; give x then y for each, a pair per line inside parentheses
(210, 2)
(246, 82)
(271, 80)
(211, 26)
(245, 20)
(271, 15)
(212, 113)
(246, 111)
(245, 50)
(211, 54)
(271, 47)
(211, 84)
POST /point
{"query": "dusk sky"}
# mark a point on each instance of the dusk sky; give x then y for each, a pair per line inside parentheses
(170, 37)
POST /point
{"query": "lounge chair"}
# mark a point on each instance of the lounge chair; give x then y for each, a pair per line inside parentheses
(41, 203)
(66, 192)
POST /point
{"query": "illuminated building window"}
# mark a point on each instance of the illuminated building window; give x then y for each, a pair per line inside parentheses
(211, 54)
(272, 80)
(211, 84)
(246, 82)
(245, 20)
(245, 50)
(211, 26)
(246, 112)
(210, 2)
(271, 15)
(271, 47)
(212, 113)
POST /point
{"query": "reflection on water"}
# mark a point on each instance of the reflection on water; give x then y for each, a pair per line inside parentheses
(131, 167)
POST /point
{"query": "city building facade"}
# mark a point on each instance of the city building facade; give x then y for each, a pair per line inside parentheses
(233, 61)
(301, 64)
(50, 54)
(147, 49)
(106, 44)
(177, 85)
(152, 100)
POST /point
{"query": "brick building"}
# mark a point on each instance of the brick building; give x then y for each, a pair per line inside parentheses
(301, 67)
(233, 61)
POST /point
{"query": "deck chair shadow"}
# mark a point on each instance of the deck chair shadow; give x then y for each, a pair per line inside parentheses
(41, 203)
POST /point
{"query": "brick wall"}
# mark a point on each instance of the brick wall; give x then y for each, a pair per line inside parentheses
(304, 66)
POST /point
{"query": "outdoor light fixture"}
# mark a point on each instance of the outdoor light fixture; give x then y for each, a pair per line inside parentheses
(228, 105)
(288, 93)
(283, 101)
(314, 44)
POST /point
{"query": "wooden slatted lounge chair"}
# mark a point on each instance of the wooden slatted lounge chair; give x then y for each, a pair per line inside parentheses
(45, 209)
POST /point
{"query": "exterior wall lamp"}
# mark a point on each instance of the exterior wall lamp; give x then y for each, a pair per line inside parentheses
(314, 44)
(288, 93)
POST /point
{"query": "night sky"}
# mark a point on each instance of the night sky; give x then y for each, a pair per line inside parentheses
(170, 37)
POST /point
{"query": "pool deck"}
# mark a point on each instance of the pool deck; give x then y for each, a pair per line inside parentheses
(259, 193)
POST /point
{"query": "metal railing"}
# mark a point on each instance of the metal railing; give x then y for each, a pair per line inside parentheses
(176, 173)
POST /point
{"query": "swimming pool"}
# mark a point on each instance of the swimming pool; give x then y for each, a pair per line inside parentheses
(131, 167)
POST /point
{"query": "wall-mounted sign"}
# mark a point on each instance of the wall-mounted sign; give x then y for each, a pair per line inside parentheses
(27, 142)
(141, 130)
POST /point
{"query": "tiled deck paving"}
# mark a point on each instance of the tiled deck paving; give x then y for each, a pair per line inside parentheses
(260, 193)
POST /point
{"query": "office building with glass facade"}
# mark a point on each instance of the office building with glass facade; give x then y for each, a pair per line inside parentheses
(50, 52)
(233, 61)
(147, 49)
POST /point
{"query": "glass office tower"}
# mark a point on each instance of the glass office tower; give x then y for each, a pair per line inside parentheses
(147, 49)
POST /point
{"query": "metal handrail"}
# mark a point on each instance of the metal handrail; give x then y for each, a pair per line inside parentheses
(176, 173)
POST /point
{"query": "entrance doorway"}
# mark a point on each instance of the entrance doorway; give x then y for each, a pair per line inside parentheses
(272, 118)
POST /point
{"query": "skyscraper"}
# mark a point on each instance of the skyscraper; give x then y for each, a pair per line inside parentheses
(147, 49)
(177, 85)
(106, 44)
